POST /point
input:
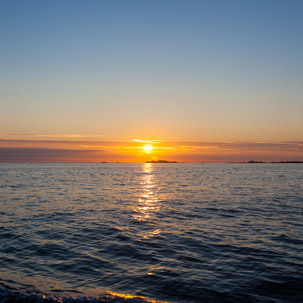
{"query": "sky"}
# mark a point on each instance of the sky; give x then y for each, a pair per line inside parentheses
(80, 80)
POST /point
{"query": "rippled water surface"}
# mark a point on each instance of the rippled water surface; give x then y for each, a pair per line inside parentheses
(167, 232)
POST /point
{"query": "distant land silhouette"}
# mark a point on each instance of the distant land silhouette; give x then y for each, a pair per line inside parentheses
(252, 161)
(160, 161)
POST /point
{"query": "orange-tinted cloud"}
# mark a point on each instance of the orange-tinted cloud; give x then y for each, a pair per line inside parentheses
(133, 151)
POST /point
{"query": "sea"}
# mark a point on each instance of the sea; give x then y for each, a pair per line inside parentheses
(151, 232)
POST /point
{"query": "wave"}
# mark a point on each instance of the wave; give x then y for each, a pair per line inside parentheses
(14, 295)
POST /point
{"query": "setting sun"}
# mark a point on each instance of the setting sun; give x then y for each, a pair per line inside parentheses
(148, 148)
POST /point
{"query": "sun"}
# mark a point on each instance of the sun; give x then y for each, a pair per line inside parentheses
(148, 148)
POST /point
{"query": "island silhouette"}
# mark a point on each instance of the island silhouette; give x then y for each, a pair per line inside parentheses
(160, 161)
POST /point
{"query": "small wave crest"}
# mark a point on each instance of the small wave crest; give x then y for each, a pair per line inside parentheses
(14, 295)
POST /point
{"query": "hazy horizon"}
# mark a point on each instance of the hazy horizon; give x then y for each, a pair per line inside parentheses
(135, 151)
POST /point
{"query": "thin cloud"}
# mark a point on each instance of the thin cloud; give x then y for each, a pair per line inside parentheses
(90, 151)
(47, 155)
(157, 141)
(56, 136)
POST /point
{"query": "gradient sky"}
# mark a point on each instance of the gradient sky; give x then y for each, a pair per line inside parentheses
(182, 71)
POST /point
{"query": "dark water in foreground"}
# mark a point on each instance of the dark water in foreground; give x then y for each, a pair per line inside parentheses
(167, 232)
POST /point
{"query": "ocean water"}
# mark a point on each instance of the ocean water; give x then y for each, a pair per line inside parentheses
(113, 232)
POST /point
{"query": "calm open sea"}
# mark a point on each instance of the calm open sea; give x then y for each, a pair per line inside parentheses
(165, 232)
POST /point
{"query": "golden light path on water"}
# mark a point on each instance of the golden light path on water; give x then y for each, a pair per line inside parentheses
(148, 202)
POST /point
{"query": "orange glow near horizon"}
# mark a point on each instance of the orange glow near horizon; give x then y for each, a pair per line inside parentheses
(14, 150)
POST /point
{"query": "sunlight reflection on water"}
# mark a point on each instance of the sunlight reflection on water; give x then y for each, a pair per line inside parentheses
(148, 202)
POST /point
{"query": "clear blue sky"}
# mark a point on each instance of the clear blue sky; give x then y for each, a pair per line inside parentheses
(179, 70)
